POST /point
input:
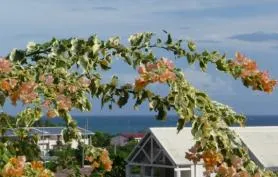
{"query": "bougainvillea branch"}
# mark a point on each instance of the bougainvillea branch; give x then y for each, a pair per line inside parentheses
(59, 76)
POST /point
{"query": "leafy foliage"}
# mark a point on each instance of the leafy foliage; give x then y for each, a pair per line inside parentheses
(100, 139)
(58, 76)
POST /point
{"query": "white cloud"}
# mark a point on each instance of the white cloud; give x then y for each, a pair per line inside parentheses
(209, 83)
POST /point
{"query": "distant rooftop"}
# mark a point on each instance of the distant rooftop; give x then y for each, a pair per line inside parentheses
(48, 131)
(133, 135)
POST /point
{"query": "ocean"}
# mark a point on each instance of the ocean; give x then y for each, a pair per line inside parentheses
(137, 123)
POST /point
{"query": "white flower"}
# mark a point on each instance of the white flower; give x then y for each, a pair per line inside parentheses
(31, 46)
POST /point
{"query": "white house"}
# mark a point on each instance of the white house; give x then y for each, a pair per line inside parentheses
(50, 136)
(161, 153)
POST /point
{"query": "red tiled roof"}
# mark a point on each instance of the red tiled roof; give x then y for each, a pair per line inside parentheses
(133, 135)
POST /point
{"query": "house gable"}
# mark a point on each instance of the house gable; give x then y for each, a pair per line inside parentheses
(149, 152)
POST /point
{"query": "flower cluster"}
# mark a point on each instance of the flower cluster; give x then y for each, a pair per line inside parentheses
(64, 102)
(17, 166)
(84, 82)
(47, 79)
(193, 154)
(63, 93)
(214, 163)
(99, 159)
(251, 75)
(161, 71)
(16, 90)
(27, 92)
(8, 84)
(211, 159)
(5, 65)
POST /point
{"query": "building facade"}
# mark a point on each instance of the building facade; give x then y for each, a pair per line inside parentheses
(50, 137)
(161, 153)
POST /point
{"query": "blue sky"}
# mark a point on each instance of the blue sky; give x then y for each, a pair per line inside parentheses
(249, 26)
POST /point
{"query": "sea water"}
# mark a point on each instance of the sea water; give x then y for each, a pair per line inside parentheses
(139, 123)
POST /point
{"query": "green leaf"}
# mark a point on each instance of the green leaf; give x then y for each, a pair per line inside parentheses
(192, 46)
(203, 65)
(123, 99)
(105, 99)
(169, 39)
(2, 99)
(190, 58)
(114, 81)
(221, 65)
(180, 124)
(162, 113)
(17, 55)
(104, 65)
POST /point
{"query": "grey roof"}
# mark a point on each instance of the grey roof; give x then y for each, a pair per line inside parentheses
(261, 141)
(47, 131)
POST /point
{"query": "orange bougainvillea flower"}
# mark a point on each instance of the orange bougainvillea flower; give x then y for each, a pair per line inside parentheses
(243, 174)
(51, 113)
(27, 92)
(105, 160)
(251, 75)
(15, 167)
(161, 71)
(108, 165)
(49, 79)
(211, 159)
(37, 165)
(89, 158)
(95, 165)
(84, 81)
(72, 88)
(64, 102)
(236, 162)
(5, 65)
(142, 70)
(140, 83)
(151, 67)
(5, 85)
(222, 169)
(14, 96)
